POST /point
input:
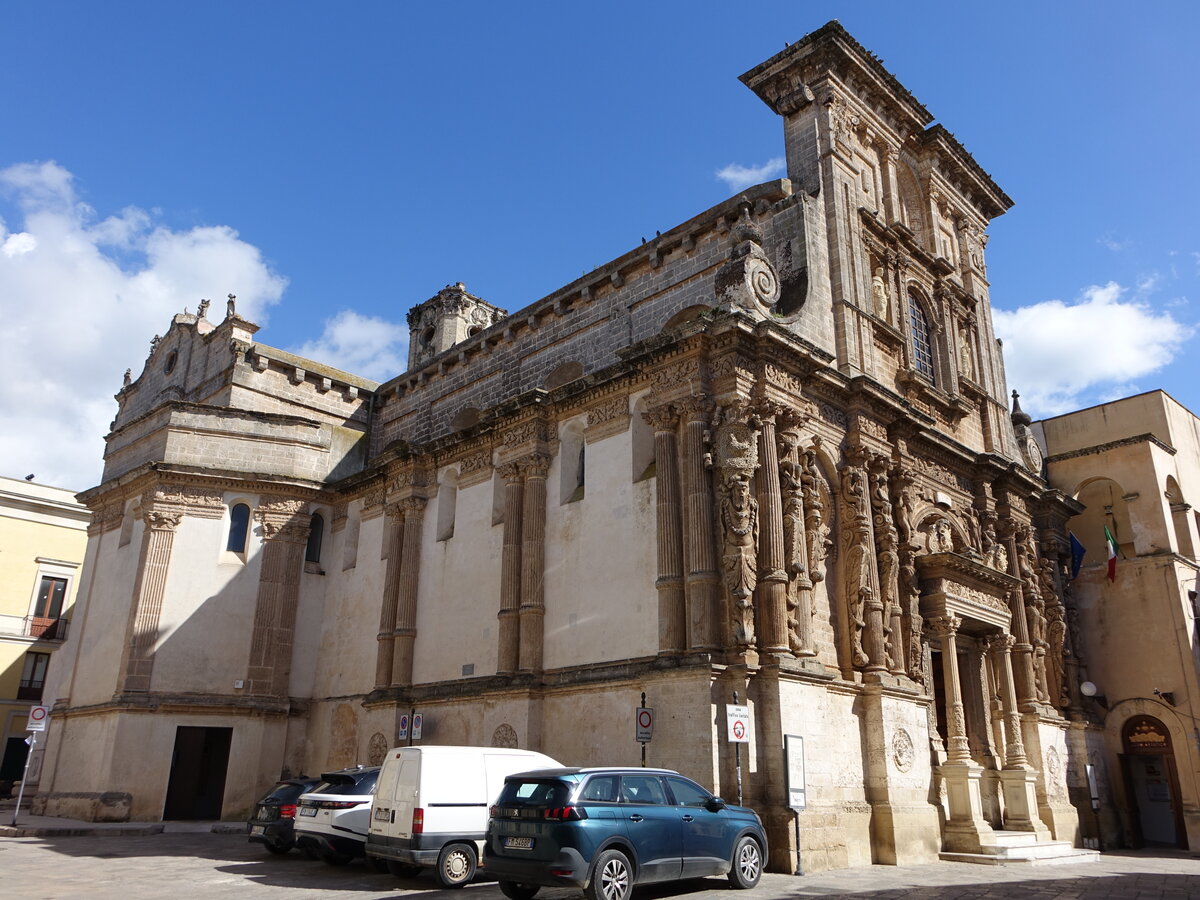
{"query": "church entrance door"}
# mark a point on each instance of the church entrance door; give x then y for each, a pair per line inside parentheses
(1152, 784)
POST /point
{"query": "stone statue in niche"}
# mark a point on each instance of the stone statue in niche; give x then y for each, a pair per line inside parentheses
(1056, 640)
(859, 590)
(880, 298)
(816, 531)
(795, 552)
(910, 587)
(739, 535)
(889, 592)
(902, 513)
(966, 365)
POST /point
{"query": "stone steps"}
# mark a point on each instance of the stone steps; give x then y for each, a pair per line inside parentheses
(1022, 848)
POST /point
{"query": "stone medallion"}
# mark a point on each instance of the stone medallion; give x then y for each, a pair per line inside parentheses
(504, 736)
(902, 750)
(377, 748)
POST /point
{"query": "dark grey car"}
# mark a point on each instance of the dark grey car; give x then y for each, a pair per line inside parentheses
(605, 830)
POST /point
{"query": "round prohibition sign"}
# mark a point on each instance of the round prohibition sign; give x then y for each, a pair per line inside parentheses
(645, 718)
(739, 730)
(37, 714)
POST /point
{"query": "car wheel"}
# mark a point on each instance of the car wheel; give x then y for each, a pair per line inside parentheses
(612, 877)
(333, 858)
(514, 890)
(403, 870)
(747, 863)
(279, 849)
(456, 865)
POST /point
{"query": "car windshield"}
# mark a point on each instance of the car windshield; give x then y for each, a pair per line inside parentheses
(286, 792)
(536, 791)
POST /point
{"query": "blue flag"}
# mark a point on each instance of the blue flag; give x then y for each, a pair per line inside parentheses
(1077, 553)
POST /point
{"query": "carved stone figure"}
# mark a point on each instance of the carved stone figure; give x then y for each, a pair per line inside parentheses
(859, 590)
(816, 531)
(230, 308)
(879, 295)
(939, 537)
(791, 482)
(902, 482)
(966, 365)
(1056, 640)
(202, 309)
(889, 593)
(128, 378)
(739, 534)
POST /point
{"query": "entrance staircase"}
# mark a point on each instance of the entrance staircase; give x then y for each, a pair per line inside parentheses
(1022, 848)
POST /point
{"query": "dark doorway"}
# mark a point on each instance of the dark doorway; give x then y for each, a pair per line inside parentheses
(197, 773)
(13, 767)
(1152, 784)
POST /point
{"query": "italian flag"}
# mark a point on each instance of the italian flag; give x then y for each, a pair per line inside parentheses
(1111, 543)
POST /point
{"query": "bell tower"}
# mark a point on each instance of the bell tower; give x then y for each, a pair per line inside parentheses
(447, 318)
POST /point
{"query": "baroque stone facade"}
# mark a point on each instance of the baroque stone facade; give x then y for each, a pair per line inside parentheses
(767, 454)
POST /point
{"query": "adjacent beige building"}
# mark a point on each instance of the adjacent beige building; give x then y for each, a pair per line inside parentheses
(767, 454)
(42, 539)
(1135, 465)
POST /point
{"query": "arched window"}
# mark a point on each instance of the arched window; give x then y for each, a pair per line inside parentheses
(922, 338)
(239, 527)
(316, 531)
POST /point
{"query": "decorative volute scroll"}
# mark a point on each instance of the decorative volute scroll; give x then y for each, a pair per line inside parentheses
(747, 282)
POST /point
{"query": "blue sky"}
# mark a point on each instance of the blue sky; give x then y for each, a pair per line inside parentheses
(334, 164)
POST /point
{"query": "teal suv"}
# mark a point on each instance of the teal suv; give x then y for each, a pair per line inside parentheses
(605, 830)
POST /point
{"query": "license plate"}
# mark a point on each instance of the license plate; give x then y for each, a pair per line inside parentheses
(518, 843)
(257, 829)
(308, 810)
(381, 815)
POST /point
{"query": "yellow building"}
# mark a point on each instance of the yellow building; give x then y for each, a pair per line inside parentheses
(43, 533)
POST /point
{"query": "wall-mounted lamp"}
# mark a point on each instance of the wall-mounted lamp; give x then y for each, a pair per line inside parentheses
(1088, 689)
(1167, 697)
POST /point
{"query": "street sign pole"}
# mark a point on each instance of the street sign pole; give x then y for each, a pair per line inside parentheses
(737, 758)
(643, 743)
(24, 775)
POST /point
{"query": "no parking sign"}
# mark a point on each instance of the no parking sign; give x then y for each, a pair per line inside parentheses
(644, 723)
(737, 721)
(37, 718)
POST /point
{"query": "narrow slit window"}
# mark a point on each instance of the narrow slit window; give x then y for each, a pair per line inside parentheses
(316, 533)
(239, 527)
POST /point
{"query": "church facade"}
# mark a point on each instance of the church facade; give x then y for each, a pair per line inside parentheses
(767, 456)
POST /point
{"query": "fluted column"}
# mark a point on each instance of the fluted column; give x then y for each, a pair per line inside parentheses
(157, 541)
(703, 579)
(1014, 747)
(958, 749)
(533, 564)
(510, 572)
(406, 598)
(672, 610)
(770, 594)
(285, 531)
(386, 638)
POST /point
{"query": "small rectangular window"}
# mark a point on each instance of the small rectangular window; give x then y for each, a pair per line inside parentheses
(33, 676)
(51, 594)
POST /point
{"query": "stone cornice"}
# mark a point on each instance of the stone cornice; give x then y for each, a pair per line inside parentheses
(1146, 438)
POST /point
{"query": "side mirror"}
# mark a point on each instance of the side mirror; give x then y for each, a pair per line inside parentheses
(714, 804)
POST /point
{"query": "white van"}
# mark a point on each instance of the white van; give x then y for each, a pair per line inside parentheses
(431, 806)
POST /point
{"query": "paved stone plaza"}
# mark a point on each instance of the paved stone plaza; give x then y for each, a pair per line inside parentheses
(201, 864)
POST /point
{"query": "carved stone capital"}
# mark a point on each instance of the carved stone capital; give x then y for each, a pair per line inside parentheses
(412, 506)
(662, 418)
(944, 626)
(535, 465)
(162, 520)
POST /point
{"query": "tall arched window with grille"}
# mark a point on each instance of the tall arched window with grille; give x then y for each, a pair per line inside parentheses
(922, 337)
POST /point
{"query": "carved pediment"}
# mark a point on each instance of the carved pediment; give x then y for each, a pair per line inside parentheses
(952, 584)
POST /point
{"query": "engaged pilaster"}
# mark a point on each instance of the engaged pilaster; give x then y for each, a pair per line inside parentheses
(285, 531)
(148, 592)
(533, 564)
(391, 592)
(672, 611)
(406, 598)
(771, 591)
(703, 581)
(510, 572)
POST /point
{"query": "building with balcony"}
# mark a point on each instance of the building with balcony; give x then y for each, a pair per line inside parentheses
(43, 534)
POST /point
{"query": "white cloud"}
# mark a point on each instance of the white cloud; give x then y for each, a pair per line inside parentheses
(82, 297)
(740, 177)
(1055, 352)
(367, 346)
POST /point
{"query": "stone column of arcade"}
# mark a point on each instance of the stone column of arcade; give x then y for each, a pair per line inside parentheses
(966, 827)
(1018, 779)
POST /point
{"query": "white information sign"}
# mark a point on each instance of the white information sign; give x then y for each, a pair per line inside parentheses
(737, 722)
(794, 747)
(402, 730)
(644, 723)
(37, 718)
(417, 723)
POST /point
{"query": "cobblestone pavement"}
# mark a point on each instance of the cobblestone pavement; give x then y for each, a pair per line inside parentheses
(210, 865)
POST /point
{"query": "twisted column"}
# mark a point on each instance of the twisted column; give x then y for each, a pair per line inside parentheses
(148, 592)
(703, 586)
(406, 596)
(958, 749)
(510, 572)
(386, 637)
(533, 564)
(672, 609)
